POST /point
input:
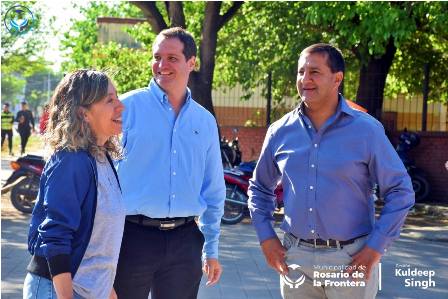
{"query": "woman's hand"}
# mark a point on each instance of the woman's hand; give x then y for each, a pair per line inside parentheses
(63, 285)
(113, 294)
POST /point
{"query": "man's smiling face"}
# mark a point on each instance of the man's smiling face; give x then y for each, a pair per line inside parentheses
(169, 67)
(316, 83)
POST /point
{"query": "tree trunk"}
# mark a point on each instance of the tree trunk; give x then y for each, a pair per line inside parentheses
(372, 79)
(201, 91)
(201, 82)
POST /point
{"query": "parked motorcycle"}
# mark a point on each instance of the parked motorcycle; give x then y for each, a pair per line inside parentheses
(408, 141)
(24, 182)
(237, 184)
(230, 151)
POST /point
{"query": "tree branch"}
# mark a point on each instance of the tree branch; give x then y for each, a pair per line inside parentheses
(229, 13)
(176, 14)
(152, 13)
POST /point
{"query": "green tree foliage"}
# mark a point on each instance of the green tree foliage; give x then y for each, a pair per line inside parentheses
(80, 41)
(12, 86)
(428, 44)
(376, 31)
(265, 37)
(24, 46)
(21, 55)
(268, 37)
(129, 68)
(40, 86)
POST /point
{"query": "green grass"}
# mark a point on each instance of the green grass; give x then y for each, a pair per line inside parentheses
(35, 143)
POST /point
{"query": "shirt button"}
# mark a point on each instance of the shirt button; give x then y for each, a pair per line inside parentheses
(174, 173)
(315, 145)
(173, 195)
(170, 109)
(309, 127)
(311, 187)
(311, 209)
(174, 130)
(312, 231)
(312, 165)
(174, 151)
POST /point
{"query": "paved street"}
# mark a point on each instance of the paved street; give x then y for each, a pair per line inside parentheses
(246, 274)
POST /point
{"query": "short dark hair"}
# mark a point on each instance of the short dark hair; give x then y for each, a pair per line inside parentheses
(335, 60)
(184, 37)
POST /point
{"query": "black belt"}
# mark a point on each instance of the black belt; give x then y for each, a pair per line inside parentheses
(330, 243)
(160, 223)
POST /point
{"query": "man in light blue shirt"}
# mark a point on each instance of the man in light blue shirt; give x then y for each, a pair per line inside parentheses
(171, 172)
(328, 157)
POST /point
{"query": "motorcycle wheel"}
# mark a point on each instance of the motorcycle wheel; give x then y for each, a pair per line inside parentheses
(24, 194)
(421, 187)
(233, 213)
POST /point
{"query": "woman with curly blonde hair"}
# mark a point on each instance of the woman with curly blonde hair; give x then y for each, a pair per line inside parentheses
(77, 223)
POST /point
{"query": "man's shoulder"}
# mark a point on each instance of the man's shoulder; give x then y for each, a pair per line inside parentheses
(364, 120)
(286, 120)
(133, 94)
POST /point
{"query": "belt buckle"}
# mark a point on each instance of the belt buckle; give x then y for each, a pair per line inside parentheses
(167, 224)
(338, 245)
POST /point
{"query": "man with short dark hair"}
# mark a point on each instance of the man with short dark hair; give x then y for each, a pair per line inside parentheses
(171, 173)
(7, 122)
(328, 158)
(26, 125)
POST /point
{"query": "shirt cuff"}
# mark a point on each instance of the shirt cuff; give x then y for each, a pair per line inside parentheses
(265, 230)
(378, 242)
(59, 264)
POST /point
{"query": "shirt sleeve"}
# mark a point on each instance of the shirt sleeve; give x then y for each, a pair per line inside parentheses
(213, 191)
(261, 191)
(395, 188)
(64, 191)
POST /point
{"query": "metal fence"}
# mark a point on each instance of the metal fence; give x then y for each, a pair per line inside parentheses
(398, 113)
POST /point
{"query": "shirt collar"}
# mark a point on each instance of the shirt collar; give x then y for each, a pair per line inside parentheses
(161, 95)
(342, 107)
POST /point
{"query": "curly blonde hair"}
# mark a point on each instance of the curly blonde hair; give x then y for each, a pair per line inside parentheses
(67, 128)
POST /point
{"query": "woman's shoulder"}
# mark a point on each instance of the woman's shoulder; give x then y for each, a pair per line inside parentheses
(71, 161)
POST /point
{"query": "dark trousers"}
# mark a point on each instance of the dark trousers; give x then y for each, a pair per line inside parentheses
(166, 263)
(9, 134)
(24, 135)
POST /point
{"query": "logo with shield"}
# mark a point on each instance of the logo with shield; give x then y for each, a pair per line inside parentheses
(295, 277)
(19, 19)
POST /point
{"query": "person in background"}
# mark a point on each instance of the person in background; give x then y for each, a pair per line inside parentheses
(26, 125)
(44, 120)
(77, 224)
(7, 122)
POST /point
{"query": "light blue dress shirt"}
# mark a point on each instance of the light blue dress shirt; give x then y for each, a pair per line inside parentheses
(172, 165)
(328, 176)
